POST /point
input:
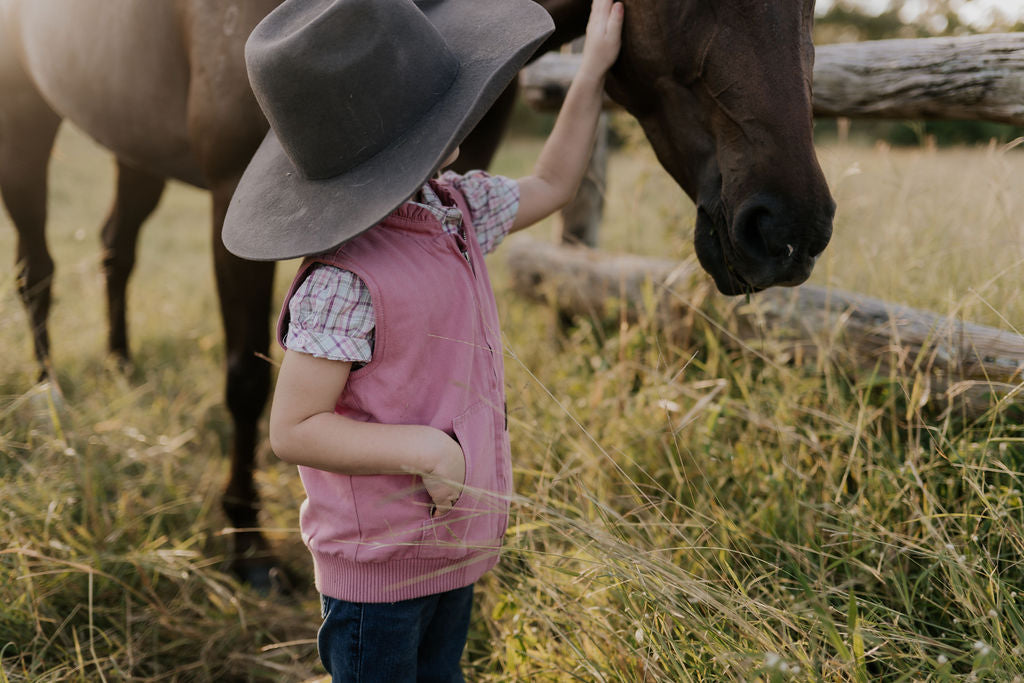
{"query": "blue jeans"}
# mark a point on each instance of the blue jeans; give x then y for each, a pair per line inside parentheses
(419, 640)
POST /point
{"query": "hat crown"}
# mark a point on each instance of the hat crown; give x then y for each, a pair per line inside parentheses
(366, 98)
(339, 80)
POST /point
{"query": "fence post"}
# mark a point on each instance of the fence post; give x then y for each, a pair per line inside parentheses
(581, 218)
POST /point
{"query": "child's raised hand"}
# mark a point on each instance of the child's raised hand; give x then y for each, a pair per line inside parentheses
(604, 36)
(563, 159)
(448, 470)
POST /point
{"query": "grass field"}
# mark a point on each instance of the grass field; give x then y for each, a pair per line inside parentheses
(687, 513)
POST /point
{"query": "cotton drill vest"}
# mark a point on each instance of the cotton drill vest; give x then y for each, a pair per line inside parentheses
(436, 361)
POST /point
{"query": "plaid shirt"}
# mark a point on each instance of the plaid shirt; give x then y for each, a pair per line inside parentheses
(331, 315)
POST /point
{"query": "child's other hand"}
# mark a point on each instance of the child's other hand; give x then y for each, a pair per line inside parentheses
(443, 480)
(604, 36)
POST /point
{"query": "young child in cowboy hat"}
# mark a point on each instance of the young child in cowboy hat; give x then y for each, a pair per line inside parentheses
(391, 395)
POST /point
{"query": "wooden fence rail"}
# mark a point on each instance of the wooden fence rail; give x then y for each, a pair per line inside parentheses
(959, 363)
(974, 77)
(969, 77)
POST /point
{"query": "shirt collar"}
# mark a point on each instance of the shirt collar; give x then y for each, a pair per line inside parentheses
(448, 216)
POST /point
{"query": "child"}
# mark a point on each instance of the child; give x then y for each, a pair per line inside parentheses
(390, 397)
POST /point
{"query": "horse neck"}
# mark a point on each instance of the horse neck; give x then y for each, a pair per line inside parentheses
(570, 17)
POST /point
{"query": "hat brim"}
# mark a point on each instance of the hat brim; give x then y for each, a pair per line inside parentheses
(277, 214)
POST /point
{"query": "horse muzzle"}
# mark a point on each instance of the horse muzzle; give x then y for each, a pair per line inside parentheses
(766, 244)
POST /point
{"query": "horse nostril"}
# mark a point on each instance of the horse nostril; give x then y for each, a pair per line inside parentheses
(774, 242)
(756, 235)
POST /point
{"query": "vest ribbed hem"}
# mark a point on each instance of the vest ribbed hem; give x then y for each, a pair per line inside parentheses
(397, 580)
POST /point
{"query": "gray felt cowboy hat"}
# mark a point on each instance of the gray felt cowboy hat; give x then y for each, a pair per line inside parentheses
(366, 99)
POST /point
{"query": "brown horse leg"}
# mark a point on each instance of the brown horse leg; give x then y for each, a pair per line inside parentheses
(245, 292)
(138, 193)
(225, 128)
(27, 131)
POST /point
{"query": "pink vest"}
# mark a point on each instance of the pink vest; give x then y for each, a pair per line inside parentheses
(436, 361)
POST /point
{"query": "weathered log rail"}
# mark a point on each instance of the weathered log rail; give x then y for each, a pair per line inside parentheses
(974, 77)
(967, 77)
(957, 360)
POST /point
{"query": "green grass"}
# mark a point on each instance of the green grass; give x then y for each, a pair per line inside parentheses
(687, 512)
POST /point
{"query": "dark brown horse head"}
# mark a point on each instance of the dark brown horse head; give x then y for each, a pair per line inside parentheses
(722, 88)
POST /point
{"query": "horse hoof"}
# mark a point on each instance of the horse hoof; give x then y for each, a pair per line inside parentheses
(44, 406)
(49, 390)
(124, 365)
(265, 577)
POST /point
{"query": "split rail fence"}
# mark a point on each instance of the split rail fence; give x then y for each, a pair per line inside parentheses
(965, 365)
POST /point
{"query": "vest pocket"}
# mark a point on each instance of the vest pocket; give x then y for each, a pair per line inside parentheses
(477, 521)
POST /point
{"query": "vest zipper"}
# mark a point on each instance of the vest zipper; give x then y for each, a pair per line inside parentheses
(460, 236)
(463, 241)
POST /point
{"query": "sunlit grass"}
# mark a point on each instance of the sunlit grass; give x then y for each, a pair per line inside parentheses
(940, 230)
(687, 511)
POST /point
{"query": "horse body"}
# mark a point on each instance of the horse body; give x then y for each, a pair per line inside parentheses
(720, 87)
(163, 86)
(84, 80)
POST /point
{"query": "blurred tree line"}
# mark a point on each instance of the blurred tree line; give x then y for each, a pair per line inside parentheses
(846, 21)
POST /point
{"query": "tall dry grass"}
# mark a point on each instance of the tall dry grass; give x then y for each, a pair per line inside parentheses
(685, 512)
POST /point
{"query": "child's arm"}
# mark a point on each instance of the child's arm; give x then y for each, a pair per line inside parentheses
(564, 157)
(305, 430)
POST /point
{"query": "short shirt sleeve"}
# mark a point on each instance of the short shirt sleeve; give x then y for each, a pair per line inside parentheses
(331, 316)
(493, 203)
